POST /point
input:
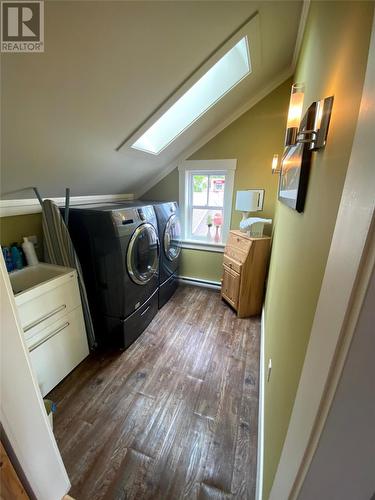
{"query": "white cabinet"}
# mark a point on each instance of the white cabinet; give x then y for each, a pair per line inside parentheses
(62, 349)
(52, 319)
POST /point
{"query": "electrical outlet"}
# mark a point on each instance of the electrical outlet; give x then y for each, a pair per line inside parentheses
(269, 369)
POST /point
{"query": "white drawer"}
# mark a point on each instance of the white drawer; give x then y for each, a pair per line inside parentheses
(43, 310)
(58, 350)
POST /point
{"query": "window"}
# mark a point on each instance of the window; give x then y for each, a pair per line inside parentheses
(207, 204)
(211, 87)
(206, 190)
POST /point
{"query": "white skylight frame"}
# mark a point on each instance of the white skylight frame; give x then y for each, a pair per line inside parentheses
(153, 141)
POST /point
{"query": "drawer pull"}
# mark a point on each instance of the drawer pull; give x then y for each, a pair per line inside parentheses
(43, 318)
(52, 334)
(144, 312)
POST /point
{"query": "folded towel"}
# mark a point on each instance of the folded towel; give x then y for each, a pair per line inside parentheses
(247, 223)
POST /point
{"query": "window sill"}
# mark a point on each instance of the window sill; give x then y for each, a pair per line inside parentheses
(201, 245)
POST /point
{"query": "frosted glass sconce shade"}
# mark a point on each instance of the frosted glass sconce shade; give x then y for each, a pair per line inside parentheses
(275, 164)
(295, 113)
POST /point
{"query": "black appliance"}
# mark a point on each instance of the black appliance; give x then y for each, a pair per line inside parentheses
(168, 218)
(118, 248)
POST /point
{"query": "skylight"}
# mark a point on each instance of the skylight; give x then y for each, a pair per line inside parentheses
(211, 87)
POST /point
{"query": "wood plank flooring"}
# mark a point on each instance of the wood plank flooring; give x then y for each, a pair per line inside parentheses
(174, 416)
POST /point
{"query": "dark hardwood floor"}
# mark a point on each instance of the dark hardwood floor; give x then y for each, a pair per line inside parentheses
(174, 416)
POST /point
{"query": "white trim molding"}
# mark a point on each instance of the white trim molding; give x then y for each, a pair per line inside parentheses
(156, 178)
(260, 450)
(224, 167)
(208, 165)
(32, 205)
(187, 280)
(348, 271)
(288, 72)
(22, 411)
(266, 89)
(206, 247)
(301, 31)
(250, 28)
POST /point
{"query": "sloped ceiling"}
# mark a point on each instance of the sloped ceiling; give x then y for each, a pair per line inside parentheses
(106, 67)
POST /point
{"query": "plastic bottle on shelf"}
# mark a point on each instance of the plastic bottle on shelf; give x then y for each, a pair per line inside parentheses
(16, 257)
(29, 252)
(8, 259)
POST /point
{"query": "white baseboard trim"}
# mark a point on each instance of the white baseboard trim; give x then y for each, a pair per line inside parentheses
(187, 280)
(259, 479)
(206, 247)
(32, 205)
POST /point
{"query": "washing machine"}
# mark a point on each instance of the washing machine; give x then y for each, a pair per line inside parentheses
(167, 214)
(118, 248)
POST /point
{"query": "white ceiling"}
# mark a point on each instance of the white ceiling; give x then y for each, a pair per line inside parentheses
(106, 68)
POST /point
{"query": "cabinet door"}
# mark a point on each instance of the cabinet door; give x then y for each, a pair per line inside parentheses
(240, 242)
(63, 347)
(43, 310)
(234, 265)
(235, 254)
(230, 286)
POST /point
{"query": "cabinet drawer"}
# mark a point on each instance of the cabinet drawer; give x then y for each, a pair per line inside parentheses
(232, 264)
(61, 348)
(230, 286)
(239, 242)
(235, 254)
(45, 309)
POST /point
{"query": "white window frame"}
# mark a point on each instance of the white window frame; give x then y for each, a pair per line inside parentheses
(198, 99)
(205, 167)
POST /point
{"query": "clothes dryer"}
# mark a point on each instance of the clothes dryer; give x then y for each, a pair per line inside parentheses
(118, 248)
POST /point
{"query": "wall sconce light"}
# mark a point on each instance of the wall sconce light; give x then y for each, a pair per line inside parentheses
(276, 167)
(303, 136)
(319, 115)
(295, 113)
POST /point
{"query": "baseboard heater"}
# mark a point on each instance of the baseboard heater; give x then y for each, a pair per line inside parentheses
(216, 285)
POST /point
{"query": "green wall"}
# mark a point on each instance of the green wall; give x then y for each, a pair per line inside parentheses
(252, 139)
(164, 190)
(332, 62)
(13, 229)
(193, 263)
(201, 265)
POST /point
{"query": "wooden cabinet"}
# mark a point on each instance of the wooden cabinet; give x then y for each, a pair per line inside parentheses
(10, 484)
(230, 286)
(244, 272)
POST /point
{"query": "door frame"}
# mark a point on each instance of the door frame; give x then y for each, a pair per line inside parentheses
(350, 262)
(23, 416)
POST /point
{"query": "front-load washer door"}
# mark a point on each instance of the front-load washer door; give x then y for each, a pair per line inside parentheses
(172, 238)
(143, 254)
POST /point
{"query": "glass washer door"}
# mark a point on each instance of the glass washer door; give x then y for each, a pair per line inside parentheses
(143, 254)
(172, 238)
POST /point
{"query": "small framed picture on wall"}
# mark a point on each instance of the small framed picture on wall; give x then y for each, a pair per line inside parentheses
(294, 176)
(295, 166)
